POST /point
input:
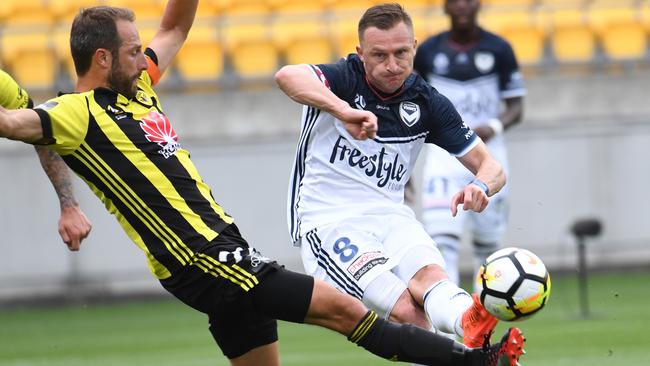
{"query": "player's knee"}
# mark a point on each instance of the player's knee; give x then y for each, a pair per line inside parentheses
(407, 310)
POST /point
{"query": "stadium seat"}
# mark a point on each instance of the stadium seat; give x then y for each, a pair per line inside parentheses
(146, 11)
(25, 13)
(254, 59)
(30, 57)
(299, 7)
(573, 44)
(65, 11)
(601, 15)
(644, 14)
(624, 41)
(286, 29)
(436, 21)
(249, 47)
(509, 3)
(201, 58)
(350, 5)
(497, 20)
(309, 50)
(61, 43)
(343, 30)
(527, 43)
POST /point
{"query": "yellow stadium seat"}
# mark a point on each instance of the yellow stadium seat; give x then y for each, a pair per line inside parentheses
(624, 41)
(30, 57)
(343, 30)
(516, 3)
(601, 15)
(25, 13)
(498, 20)
(437, 22)
(247, 8)
(287, 29)
(66, 10)
(299, 7)
(146, 11)
(249, 47)
(254, 59)
(236, 31)
(61, 43)
(573, 44)
(644, 13)
(357, 6)
(552, 17)
(527, 43)
(201, 58)
(309, 50)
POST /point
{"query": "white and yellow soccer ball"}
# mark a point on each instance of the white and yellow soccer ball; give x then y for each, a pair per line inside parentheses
(513, 284)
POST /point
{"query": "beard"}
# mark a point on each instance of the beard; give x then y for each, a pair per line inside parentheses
(121, 82)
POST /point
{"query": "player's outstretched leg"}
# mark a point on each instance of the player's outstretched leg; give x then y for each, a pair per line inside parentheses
(504, 353)
(477, 324)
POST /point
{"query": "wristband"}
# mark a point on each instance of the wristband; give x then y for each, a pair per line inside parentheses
(496, 125)
(481, 185)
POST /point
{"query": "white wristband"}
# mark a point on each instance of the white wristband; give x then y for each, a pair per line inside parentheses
(496, 125)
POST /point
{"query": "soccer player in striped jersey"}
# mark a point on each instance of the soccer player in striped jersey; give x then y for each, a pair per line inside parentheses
(477, 70)
(346, 197)
(113, 133)
(74, 226)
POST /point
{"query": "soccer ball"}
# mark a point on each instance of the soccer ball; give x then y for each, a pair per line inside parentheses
(513, 284)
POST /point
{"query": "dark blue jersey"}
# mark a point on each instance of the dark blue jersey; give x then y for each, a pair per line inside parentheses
(475, 77)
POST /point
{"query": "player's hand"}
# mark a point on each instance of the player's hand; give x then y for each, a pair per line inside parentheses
(74, 227)
(472, 197)
(359, 123)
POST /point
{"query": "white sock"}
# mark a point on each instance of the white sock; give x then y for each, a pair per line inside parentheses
(449, 247)
(444, 304)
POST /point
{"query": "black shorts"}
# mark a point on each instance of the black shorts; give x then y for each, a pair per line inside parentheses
(242, 313)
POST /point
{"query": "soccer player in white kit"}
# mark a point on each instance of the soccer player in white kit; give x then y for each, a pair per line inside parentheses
(477, 70)
(346, 197)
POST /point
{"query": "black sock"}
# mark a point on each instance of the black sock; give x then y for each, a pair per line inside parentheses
(406, 342)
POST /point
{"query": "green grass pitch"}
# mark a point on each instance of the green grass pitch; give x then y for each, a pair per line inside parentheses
(166, 333)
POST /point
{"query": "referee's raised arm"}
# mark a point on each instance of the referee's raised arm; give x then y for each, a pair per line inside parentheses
(174, 28)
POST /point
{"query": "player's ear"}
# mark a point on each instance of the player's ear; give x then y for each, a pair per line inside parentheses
(103, 58)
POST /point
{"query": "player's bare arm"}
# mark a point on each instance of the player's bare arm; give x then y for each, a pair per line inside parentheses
(300, 84)
(174, 28)
(490, 178)
(74, 226)
(512, 115)
(21, 125)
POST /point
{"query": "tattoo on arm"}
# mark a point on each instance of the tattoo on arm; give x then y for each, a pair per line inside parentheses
(58, 173)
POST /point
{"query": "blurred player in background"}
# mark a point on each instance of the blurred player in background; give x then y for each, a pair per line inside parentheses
(478, 72)
(114, 134)
(346, 197)
(74, 226)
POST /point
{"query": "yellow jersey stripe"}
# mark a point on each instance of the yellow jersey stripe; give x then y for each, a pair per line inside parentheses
(130, 199)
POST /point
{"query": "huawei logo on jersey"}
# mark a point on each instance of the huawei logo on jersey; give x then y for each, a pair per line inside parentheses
(158, 129)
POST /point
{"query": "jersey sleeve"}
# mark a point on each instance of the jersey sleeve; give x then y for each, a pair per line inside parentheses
(338, 77)
(447, 128)
(65, 122)
(12, 96)
(511, 82)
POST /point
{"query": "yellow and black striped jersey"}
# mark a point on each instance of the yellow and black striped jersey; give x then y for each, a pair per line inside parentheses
(12, 96)
(128, 153)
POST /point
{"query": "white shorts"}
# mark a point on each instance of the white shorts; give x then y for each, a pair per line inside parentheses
(443, 177)
(351, 253)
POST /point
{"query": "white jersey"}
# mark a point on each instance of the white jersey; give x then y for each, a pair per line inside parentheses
(336, 176)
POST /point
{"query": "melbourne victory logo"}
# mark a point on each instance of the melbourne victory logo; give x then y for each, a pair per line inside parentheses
(158, 129)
